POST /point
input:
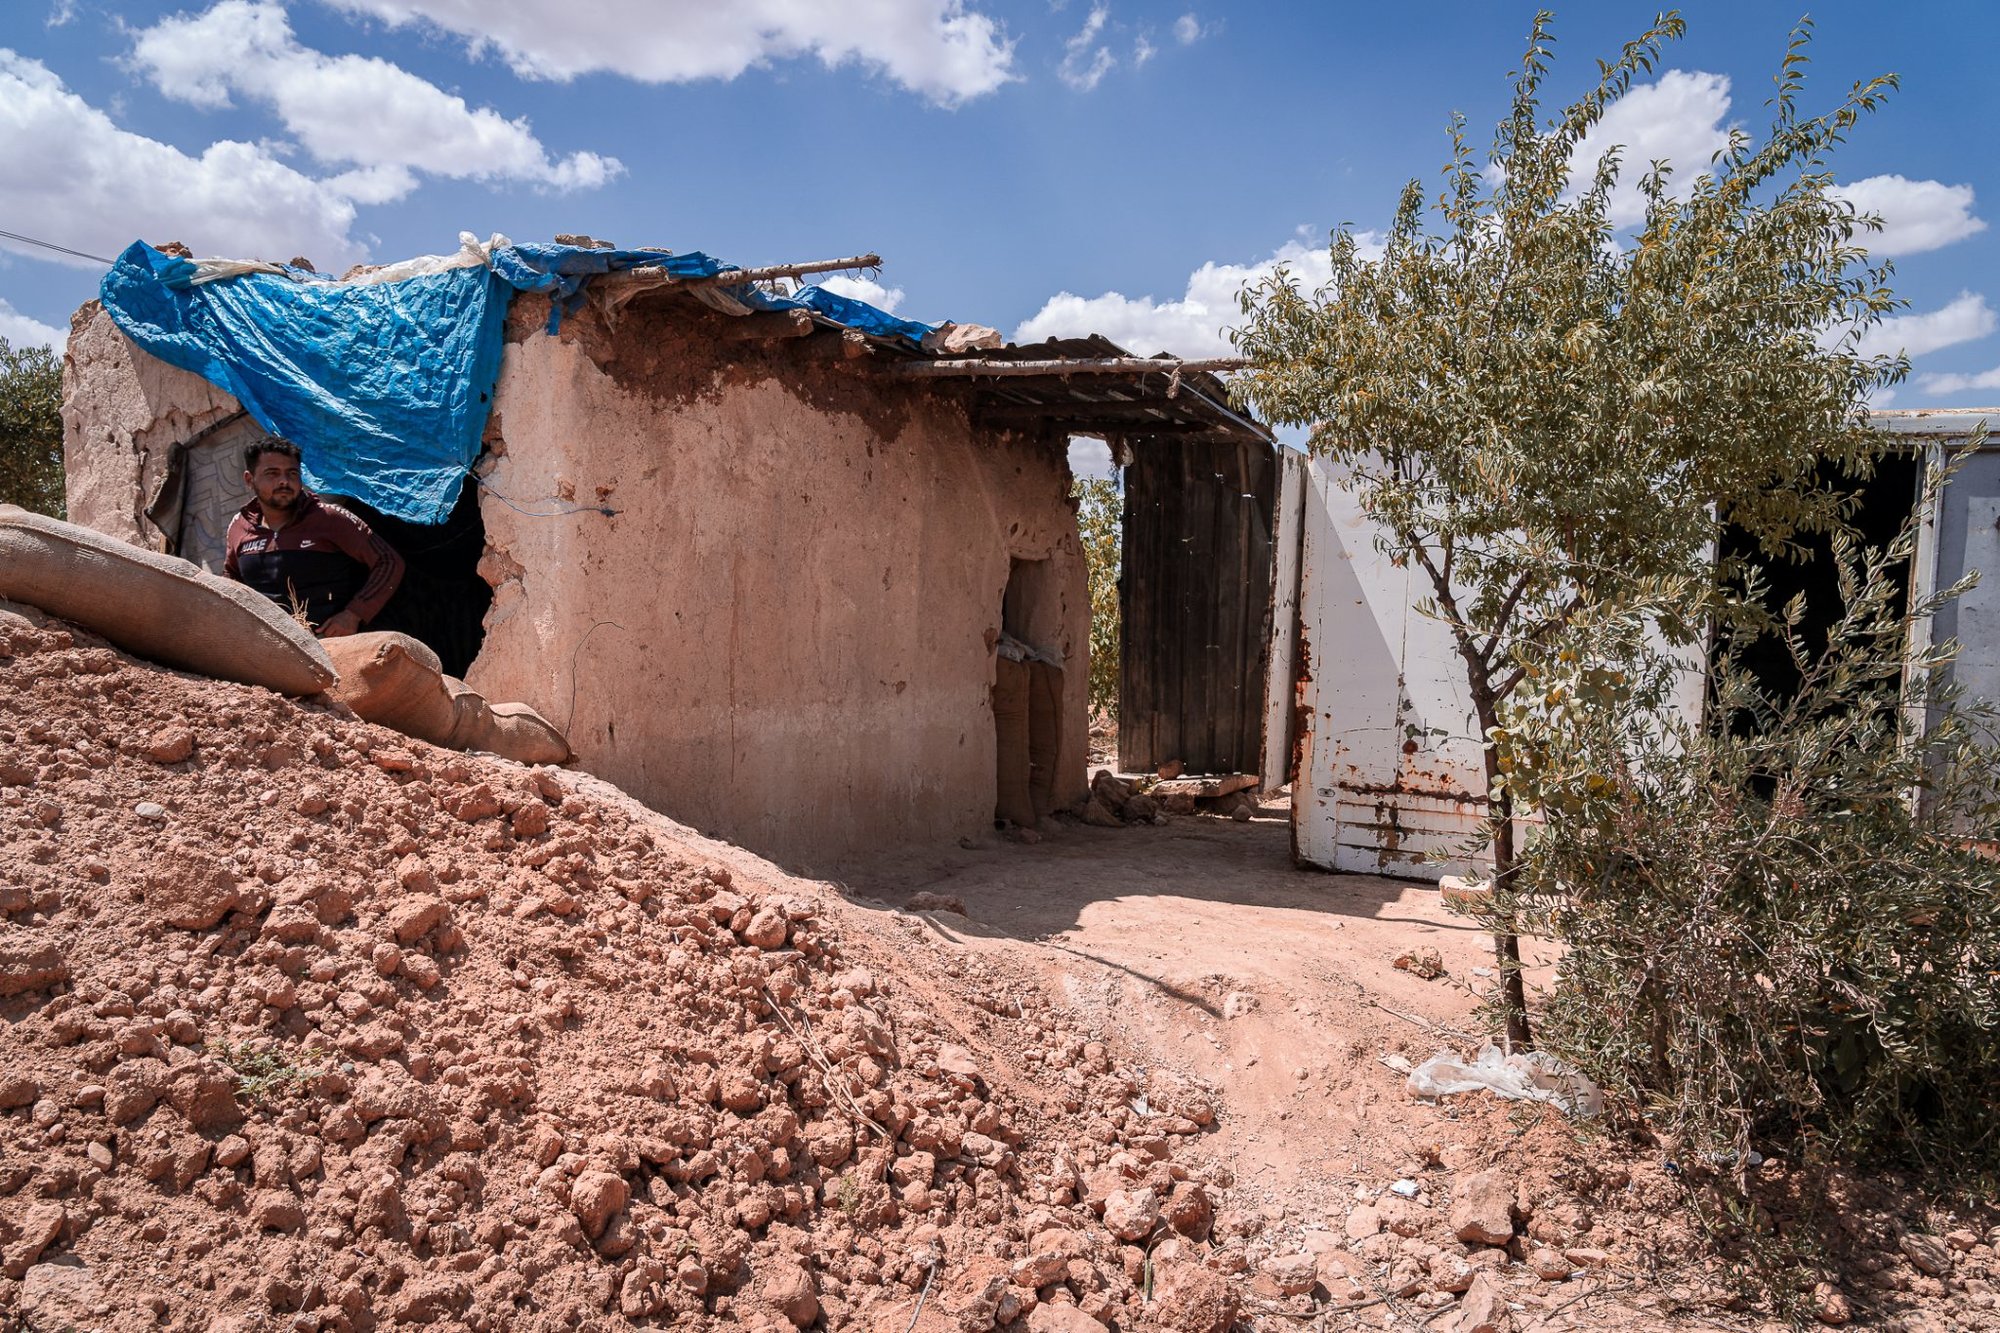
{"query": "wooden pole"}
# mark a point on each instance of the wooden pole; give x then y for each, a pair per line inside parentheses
(736, 277)
(972, 367)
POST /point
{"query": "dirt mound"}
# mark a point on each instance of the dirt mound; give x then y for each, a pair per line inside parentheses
(312, 1026)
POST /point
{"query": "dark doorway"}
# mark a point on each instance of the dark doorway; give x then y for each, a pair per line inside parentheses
(1883, 504)
(442, 601)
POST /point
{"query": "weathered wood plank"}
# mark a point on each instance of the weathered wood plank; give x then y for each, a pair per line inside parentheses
(1195, 596)
(1226, 784)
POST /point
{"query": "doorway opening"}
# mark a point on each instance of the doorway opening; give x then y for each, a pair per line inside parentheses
(1027, 695)
(442, 601)
(1882, 506)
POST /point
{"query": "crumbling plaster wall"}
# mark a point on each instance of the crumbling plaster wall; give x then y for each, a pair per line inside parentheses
(783, 637)
(123, 411)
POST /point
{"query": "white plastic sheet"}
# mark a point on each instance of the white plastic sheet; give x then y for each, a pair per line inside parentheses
(1530, 1076)
(472, 253)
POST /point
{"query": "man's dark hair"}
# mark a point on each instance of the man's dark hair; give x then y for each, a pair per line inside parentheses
(270, 444)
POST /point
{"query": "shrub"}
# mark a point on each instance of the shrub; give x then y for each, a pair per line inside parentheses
(1780, 923)
(31, 464)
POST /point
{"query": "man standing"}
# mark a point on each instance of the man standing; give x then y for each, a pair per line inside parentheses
(303, 553)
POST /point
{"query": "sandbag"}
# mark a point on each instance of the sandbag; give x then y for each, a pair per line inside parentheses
(520, 733)
(512, 731)
(396, 681)
(157, 606)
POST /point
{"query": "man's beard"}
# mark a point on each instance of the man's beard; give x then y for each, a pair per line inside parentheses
(284, 505)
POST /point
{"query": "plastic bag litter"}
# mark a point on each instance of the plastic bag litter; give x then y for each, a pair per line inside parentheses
(1529, 1076)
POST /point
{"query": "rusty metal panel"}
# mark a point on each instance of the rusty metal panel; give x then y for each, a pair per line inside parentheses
(1281, 662)
(1391, 770)
(1195, 595)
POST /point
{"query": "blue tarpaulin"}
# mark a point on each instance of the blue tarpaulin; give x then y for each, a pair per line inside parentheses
(385, 386)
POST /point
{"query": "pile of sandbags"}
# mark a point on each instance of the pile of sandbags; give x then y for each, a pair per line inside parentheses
(177, 613)
(157, 606)
(397, 682)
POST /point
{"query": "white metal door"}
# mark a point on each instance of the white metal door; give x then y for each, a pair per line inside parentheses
(1392, 769)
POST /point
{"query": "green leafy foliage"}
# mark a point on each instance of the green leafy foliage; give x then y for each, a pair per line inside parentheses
(31, 468)
(1780, 922)
(1100, 517)
(1543, 414)
(268, 1075)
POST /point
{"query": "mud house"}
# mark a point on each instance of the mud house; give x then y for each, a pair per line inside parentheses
(790, 570)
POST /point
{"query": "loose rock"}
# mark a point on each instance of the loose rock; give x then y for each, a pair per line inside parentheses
(1482, 1208)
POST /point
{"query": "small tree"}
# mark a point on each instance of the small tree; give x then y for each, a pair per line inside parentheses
(1542, 415)
(1100, 518)
(31, 467)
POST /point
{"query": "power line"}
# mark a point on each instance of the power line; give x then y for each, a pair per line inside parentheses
(50, 245)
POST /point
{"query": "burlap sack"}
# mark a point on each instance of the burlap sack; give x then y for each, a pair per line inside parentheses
(522, 734)
(156, 606)
(512, 731)
(394, 680)
(398, 682)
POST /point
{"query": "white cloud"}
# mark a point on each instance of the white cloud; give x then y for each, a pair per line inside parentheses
(60, 13)
(21, 331)
(1191, 326)
(1916, 215)
(1944, 384)
(1679, 120)
(1089, 459)
(1143, 50)
(349, 110)
(936, 48)
(1188, 29)
(865, 289)
(1084, 64)
(373, 185)
(68, 174)
(1964, 319)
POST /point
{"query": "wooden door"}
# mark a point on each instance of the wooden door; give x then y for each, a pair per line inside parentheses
(1195, 595)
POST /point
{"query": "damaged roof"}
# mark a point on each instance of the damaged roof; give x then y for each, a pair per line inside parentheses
(386, 376)
(1092, 386)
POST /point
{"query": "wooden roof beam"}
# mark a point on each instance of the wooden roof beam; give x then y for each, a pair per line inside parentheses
(1134, 430)
(989, 368)
(736, 277)
(1148, 409)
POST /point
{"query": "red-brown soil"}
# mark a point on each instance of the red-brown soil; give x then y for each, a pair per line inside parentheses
(310, 1026)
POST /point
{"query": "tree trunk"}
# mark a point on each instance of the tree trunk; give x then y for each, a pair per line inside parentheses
(1506, 943)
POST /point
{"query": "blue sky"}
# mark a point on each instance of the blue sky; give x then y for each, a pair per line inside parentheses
(1043, 168)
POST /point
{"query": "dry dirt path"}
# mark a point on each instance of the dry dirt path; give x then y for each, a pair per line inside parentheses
(1201, 947)
(1200, 944)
